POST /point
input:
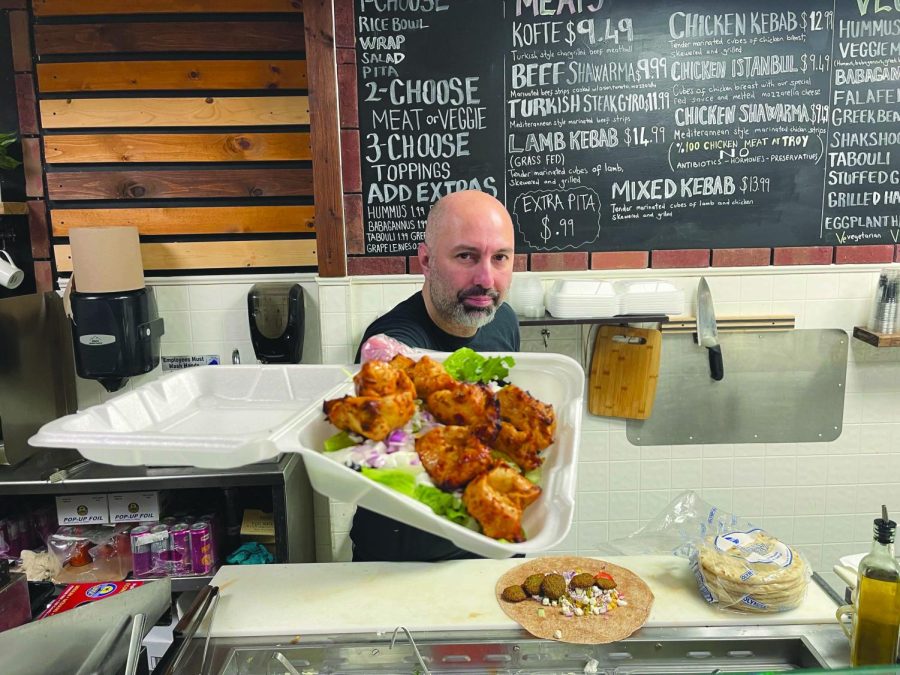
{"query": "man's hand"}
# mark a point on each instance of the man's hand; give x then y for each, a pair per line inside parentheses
(383, 348)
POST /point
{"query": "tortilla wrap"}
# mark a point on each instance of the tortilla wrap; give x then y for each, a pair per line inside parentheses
(616, 624)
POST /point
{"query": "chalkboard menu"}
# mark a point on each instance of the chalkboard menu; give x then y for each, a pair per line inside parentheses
(651, 124)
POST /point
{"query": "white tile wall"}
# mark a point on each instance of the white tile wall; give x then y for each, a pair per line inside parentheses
(208, 315)
(822, 497)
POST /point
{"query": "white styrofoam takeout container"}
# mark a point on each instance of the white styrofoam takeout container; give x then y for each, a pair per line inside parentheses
(227, 416)
(213, 417)
(551, 378)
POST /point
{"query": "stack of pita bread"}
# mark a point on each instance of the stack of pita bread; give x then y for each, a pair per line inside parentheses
(750, 571)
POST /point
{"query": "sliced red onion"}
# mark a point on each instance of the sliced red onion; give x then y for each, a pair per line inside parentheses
(396, 436)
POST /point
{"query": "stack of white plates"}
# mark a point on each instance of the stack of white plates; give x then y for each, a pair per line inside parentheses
(526, 295)
(572, 299)
(649, 296)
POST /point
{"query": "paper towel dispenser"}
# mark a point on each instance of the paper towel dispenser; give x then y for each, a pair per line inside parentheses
(116, 335)
(115, 324)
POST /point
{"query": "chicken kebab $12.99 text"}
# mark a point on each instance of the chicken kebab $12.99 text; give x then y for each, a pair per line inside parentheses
(455, 436)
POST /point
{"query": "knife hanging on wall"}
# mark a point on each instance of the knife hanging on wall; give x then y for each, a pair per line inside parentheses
(707, 334)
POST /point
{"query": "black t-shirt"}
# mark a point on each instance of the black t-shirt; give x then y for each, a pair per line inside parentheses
(376, 537)
(409, 323)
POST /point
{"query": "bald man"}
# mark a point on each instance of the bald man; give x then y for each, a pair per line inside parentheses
(467, 260)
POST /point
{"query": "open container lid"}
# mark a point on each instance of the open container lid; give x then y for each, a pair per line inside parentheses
(228, 416)
(212, 417)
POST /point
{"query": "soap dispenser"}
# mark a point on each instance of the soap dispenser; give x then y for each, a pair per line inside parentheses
(277, 320)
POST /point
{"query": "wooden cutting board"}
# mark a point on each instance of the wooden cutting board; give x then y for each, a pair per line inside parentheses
(624, 371)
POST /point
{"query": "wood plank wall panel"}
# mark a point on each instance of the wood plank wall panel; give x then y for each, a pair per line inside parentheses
(219, 147)
(229, 111)
(177, 75)
(90, 7)
(229, 171)
(20, 35)
(204, 255)
(184, 36)
(190, 220)
(31, 161)
(326, 139)
(26, 239)
(26, 105)
(174, 184)
(13, 208)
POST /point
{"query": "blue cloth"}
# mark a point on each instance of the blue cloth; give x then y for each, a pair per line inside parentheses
(251, 553)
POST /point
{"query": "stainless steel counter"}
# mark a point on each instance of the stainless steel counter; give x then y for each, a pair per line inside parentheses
(651, 650)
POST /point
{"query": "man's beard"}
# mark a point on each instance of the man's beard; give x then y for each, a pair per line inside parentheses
(451, 306)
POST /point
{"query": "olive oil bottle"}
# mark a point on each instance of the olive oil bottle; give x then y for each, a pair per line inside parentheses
(877, 622)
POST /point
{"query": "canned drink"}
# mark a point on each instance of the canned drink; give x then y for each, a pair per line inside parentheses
(141, 563)
(169, 562)
(169, 520)
(158, 544)
(201, 548)
(215, 531)
(180, 543)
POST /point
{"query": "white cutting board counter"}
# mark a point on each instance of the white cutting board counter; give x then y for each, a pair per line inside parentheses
(329, 598)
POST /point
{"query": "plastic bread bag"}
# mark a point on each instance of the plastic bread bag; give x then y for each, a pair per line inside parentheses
(738, 566)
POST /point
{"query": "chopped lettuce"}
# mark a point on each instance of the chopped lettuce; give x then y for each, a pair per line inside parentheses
(442, 503)
(534, 475)
(467, 365)
(339, 441)
(396, 479)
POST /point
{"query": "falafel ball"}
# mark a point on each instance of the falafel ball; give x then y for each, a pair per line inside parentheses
(604, 584)
(553, 586)
(583, 580)
(532, 584)
(513, 594)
